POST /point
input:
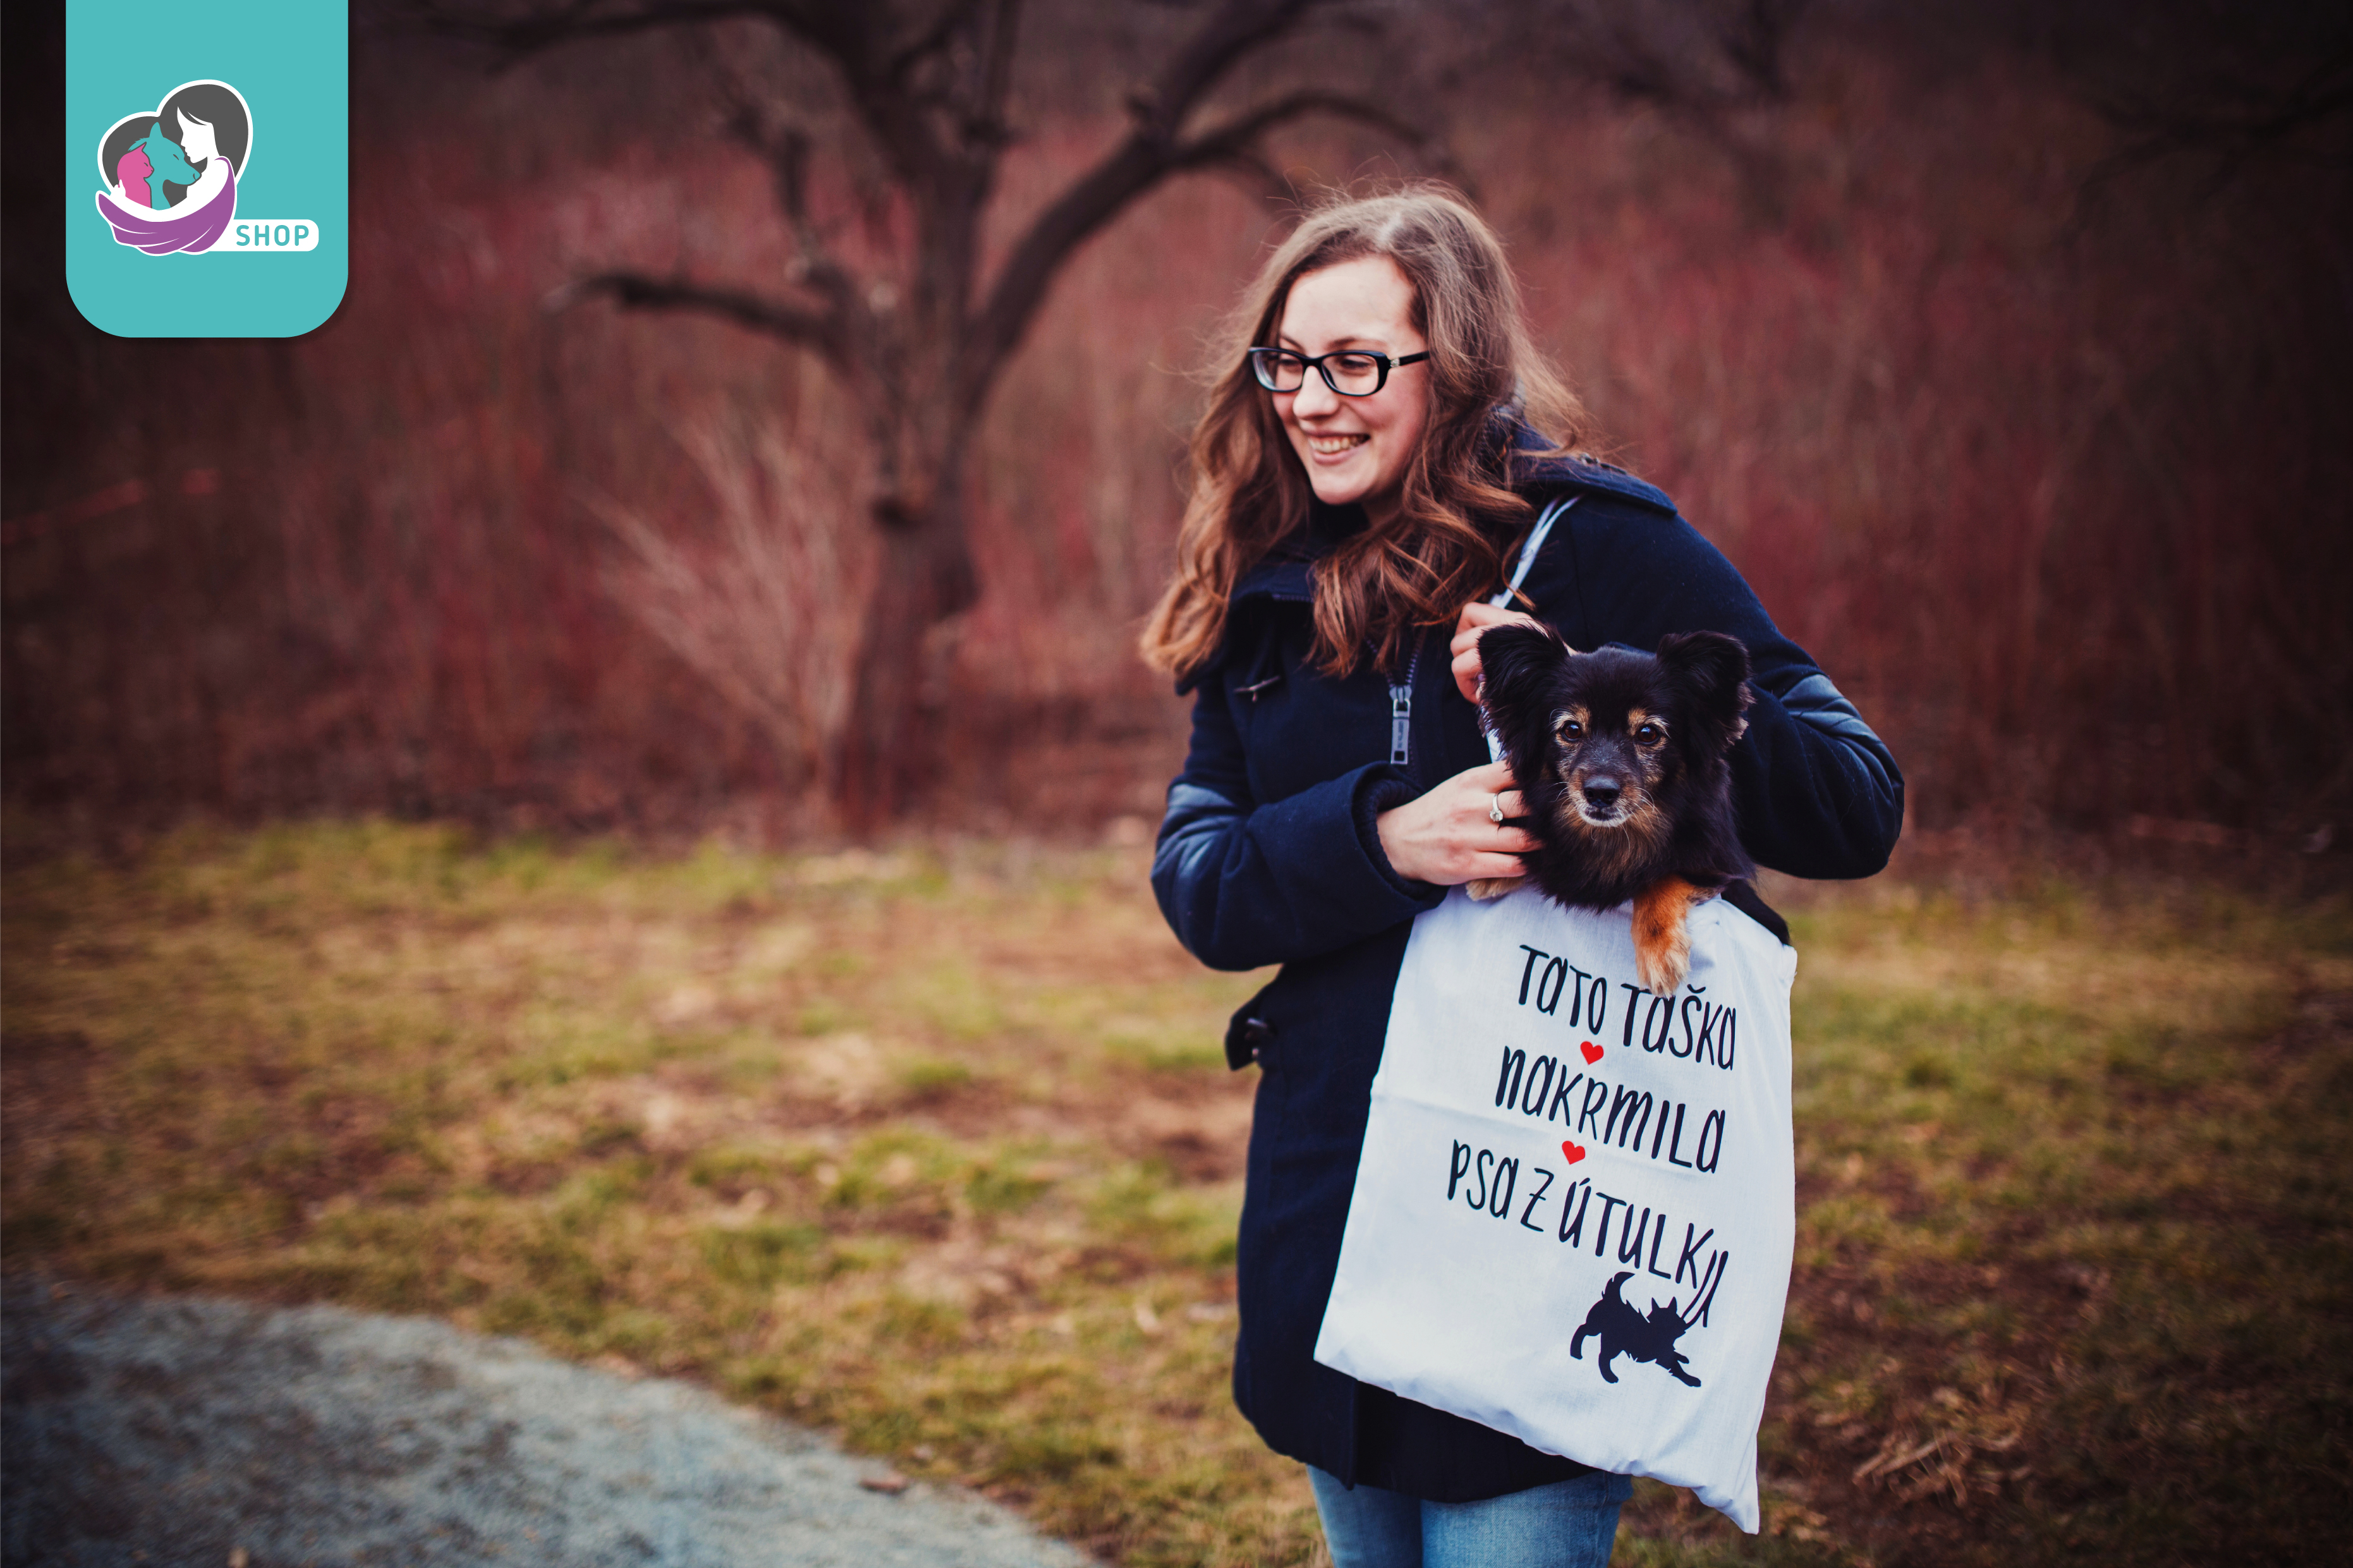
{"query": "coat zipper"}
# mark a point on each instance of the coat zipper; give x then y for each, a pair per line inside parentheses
(1401, 713)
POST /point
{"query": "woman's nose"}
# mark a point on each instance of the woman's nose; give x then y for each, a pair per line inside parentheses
(1313, 397)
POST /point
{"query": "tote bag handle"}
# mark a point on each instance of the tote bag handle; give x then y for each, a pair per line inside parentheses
(1519, 574)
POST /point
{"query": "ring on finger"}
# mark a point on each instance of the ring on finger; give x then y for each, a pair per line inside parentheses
(1495, 808)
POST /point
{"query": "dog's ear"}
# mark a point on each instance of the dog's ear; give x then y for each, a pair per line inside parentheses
(1518, 665)
(1711, 672)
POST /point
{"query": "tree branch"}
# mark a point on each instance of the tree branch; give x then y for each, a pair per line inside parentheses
(1236, 137)
(785, 148)
(1757, 45)
(532, 31)
(822, 332)
(987, 122)
(933, 40)
(1139, 163)
(2231, 121)
(2237, 122)
(1239, 28)
(841, 32)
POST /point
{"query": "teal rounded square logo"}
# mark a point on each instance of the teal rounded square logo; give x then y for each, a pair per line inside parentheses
(208, 169)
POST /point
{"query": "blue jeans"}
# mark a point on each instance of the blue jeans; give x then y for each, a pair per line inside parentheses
(1567, 1524)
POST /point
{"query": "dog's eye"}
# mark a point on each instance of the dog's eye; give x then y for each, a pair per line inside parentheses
(1647, 735)
(1570, 730)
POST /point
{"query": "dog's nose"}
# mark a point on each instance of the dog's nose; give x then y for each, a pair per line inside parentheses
(1601, 790)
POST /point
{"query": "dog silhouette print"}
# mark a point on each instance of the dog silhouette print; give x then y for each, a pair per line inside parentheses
(1625, 1332)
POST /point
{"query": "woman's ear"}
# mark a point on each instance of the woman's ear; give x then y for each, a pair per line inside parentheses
(1710, 670)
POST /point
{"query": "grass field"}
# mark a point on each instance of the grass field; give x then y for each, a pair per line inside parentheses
(935, 1148)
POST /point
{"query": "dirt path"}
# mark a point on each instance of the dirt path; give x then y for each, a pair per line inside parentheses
(178, 1431)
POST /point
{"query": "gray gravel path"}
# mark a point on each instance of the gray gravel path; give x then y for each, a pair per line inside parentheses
(171, 1431)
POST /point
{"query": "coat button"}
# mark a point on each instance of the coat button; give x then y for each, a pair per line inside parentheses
(1246, 1038)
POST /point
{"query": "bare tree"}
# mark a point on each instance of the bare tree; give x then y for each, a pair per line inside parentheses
(918, 345)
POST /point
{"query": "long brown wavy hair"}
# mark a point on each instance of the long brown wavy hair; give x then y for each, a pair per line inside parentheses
(1376, 589)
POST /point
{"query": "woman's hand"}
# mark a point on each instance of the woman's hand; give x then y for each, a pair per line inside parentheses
(1477, 616)
(1448, 836)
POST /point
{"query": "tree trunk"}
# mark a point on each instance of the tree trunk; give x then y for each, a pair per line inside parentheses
(925, 575)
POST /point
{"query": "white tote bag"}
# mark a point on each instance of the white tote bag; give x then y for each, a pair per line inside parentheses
(1573, 1214)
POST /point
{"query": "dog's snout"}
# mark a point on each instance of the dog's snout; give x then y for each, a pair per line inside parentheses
(1601, 790)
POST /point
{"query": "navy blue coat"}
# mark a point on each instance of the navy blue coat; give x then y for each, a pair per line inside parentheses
(1269, 855)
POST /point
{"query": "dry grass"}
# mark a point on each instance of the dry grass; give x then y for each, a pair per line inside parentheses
(935, 1148)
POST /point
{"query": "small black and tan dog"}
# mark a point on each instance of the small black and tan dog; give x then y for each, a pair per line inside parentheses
(1620, 757)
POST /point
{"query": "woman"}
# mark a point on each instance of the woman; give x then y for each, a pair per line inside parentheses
(1374, 453)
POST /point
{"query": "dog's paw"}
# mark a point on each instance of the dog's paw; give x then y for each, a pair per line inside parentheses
(1662, 935)
(1492, 887)
(1662, 969)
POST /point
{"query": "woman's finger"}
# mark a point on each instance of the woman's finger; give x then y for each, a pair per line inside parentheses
(1494, 808)
(1442, 835)
(1467, 670)
(1476, 618)
(1479, 612)
(1469, 624)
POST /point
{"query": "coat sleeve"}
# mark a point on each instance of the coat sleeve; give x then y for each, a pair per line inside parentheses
(1818, 793)
(1245, 883)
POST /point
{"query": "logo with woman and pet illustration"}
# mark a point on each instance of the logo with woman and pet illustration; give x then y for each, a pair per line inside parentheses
(247, 156)
(172, 175)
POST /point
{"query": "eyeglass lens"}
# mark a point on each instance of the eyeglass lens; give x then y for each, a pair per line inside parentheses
(1354, 375)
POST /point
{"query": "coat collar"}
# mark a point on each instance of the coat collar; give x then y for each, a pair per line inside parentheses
(1281, 578)
(1288, 575)
(1531, 473)
(1285, 578)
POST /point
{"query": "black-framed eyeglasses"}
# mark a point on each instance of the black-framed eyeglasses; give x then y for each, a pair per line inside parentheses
(1351, 372)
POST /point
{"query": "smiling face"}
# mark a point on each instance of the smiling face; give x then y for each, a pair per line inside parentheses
(1354, 449)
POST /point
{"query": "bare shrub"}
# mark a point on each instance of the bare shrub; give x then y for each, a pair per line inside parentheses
(765, 602)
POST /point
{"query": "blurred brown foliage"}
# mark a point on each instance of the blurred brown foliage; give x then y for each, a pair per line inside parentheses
(2012, 373)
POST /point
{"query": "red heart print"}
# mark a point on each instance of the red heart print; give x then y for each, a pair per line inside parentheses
(1575, 1152)
(1592, 1052)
